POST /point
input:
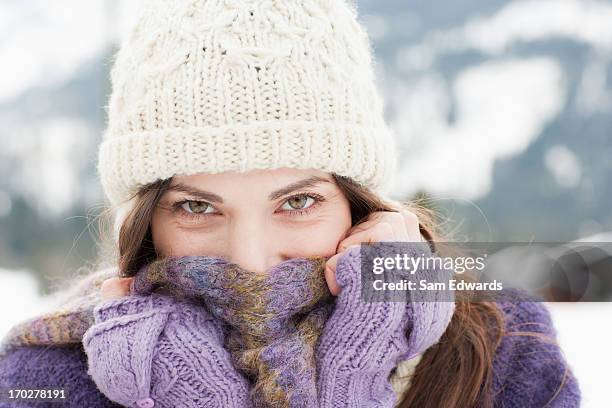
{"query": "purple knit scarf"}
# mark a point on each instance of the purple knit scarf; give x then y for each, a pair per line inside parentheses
(273, 320)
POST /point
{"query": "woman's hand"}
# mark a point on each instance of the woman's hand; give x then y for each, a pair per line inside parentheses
(150, 349)
(362, 341)
(115, 288)
(381, 226)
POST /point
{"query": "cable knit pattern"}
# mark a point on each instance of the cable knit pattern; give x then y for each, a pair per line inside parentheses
(527, 371)
(363, 341)
(354, 356)
(155, 349)
(221, 85)
(274, 319)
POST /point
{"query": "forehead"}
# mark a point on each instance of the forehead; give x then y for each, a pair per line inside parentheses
(260, 177)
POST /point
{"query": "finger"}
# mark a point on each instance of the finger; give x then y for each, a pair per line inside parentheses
(398, 223)
(395, 219)
(371, 220)
(330, 275)
(411, 227)
(380, 232)
(114, 288)
(411, 222)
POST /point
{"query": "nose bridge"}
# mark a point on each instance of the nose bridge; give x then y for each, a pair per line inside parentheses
(251, 246)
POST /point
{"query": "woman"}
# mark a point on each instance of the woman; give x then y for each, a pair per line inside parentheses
(252, 132)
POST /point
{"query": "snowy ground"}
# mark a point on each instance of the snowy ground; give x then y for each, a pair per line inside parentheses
(19, 298)
(585, 335)
(584, 331)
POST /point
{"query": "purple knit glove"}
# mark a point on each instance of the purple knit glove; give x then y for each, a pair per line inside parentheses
(154, 350)
(363, 341)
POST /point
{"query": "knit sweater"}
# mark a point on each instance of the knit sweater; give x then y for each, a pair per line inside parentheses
(144, 347)
(527, 371)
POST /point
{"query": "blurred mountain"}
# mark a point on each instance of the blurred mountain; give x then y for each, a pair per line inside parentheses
(548, 180)
(558, 186)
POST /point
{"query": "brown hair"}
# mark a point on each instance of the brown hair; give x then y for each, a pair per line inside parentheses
(464, 353)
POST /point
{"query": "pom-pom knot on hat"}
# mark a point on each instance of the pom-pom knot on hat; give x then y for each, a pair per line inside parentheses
(235, 85)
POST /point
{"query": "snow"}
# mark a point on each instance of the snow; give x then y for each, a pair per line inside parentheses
(489, 98)
(20, 298)
(584, 333)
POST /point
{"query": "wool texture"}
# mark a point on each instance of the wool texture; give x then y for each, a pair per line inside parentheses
(274, 319)
(298, 345)
(528, 371)
(162, 350)
(235, 85)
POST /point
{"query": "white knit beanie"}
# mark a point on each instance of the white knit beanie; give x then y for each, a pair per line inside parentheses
(219, 85)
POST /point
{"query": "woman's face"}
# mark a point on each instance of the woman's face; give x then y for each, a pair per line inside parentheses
(255, 219)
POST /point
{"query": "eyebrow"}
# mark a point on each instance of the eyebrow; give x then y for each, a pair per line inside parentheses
(208, 196)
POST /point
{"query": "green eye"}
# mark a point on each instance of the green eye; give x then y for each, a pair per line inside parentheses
(299, 202)
(196, 207)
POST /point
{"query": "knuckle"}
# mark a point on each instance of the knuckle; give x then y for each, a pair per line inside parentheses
(384, 226)
(410, 216)
(358, 228)
(343, 245)
(382, 231)
(109, 283)
(397, 217)
(115, 285)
